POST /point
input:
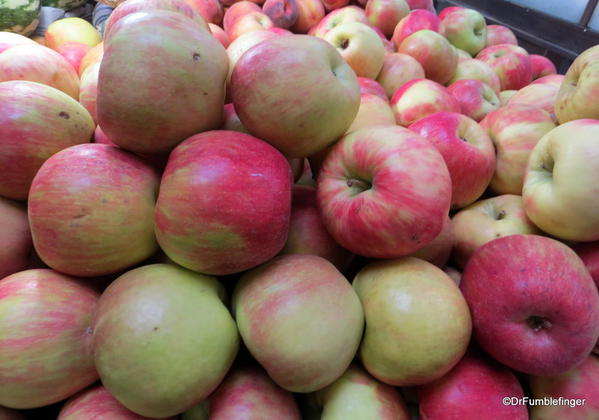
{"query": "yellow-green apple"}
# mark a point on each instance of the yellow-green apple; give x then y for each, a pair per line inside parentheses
(510, 63)
(356, 395)
(97, 403)
(578, 92)
(438, 251)
(36, 63)
(537, 313)
(557, 203)
(73, 52)
(421, 97)
(140, 315)
(467, 150)
(45, 338)
(386, 14)
(473, 69)
(415, 300)
(515, 130)
(415, 21)
(541, 95)
(88, 89)
(421, 4)
(397, 70)
(210, 10)
(307, 233)
(248, 393)
(398, 176)
(90, 210)
(541, 66)
(36, 121)
(300, 319)
(373, 111)
(237, 10)
(219, 170)
(327, 93)
(576, 393)
(466, 29)
(231, 120)
(337, 17)
(453, 273)
(283, 13)
(506, 95)
(219, 34)
(192, 64)
(93, 56)
(10, 39)
(250, 22)
(552, 79)
(487, 220)
(334, 4)
(71, 29)
(309, 14)
(476, 98)
(371, 86)
(498, 34)
(463, 55)
(16, 237)
(360, 47)
(437, 56)
(473, 390)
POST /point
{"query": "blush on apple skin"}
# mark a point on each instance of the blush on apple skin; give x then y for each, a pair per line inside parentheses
(17, 245)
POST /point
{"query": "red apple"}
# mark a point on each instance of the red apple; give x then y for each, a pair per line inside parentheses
(237, 10)
(449, 10)
(219, 34)
(467, 150)
(552, 79)
(437, 252)
(250, 22)
(402, 181)
(385, 14)
(372, 87)
(541, 66)
(415, 21)
(16, 237)
(511, 64)
(211, 10)
(498, 34)
(421, 4)
(537, 313)
(397, 70)
(309, 14)
(334, 4)
(283, 13)
(337, 17)
(476, 98)
(472, 69)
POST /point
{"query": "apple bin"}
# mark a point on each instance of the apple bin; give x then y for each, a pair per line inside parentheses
(298, 209)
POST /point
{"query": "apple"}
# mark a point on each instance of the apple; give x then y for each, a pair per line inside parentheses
(421, 97)
(397, 70)
(300, 319)
(415, 21)
(421, 4)
(357, 395)
(140, 315)
(467, 150)
(553, 79)
(576, 97)
(541, 95)
(463, 55)
(359, 46)
(466, 29)
(577, 389)
(283, 13)
(398, 176)
(252, 21)
(309, 14)
(511, 64)
(385, 14)
(454, 274)
(45, 338)
(337, 17)
(240, 45)
(412, 299)
(515, 130)
(93, 56)
(219, 34)
(73, 52)
(17, 245)
(558, 187)
(437, 251)
(473, 390)
(448, 10)
(71, 29)
(541, 66)
(537, 313)
(373, 111)
(8, 414)
(237, 10)
(10, 39)
(326, 89)
(473, 69)
(371, 86)
(506, 95)
(498, 34)
(231, 120)
(487, 220)
(476, 98)
(334, 4)
(210, 10)
(88, 90)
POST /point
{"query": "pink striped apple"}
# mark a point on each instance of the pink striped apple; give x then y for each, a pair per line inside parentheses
(415, 21)
(337, 17)
(397, 70)
(250, 22)
(476, 98)
(438, 251)
(541, 66)
(498, 34)
(541, 95)
(371, 86)
(238, 9)
(385, 14)
(472, 69)
(511, 64)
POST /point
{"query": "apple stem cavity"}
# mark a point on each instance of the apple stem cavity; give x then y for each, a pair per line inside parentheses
(358, 184)
(538, 323)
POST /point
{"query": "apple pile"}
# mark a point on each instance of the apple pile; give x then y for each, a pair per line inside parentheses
(296, 209)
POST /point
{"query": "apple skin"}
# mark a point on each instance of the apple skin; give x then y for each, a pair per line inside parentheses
(373, 111)
(473, 69)
(10, 39)
(553, 79)
(45, 338)
(515, 130)
(398, 176)
(538, 313)
(90, 210)
(397, 70)
(307, 233)
(473, 390)
(487, 220)
(463, 55)
(437, 56)
(415, 21)
(233, 171)
(356, 395)
(360, 47)
(237, 10)
(385, 14)
(231, 120)
(541, 95)
(283, 13)
(337, 17)
(437, 251)
(511, 64)
(325, 88)
(578, 92)
(467, 151)
(250, 22)
(219, 34)
(579, 383)
(240, 45)
(454, 274)
(300, 319)
(72, 29)
(371, 86)
(88, 90)
(558, 187)
(506, 95)
(309, 13)
(476, 98)
(16, 237)
(541, 66)
(466, 29)
(421, 97)
(498, 34)
(73, 52)
(93, 56)
(422, 4)
(210, 10)
(412, 299)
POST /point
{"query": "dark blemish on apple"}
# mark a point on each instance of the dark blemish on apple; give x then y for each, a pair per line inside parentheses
(155, 328)
(497, 235)
(196, 57)
(80, 216)
(89, 330)
(344, 44)
(463, 139)
(64, 115)
(500, 216)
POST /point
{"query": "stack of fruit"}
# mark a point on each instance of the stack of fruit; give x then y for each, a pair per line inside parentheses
(294, 213)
